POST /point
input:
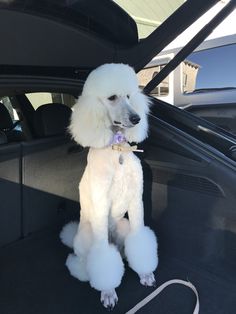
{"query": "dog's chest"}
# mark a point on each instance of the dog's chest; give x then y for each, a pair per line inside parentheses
(122, 174)
(123, 183)
(121, 167)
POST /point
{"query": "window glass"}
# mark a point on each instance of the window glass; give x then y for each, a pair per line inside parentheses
(210, 69)
(7, 103)
(39, 99)
(209, 85)
(147, 74)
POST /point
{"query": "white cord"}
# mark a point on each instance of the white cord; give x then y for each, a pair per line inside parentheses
(162, 287)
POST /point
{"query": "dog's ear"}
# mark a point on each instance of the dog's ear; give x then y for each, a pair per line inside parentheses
(90, 126)
(140, 103)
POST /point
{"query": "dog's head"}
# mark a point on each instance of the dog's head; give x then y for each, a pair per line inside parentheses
(110, 98)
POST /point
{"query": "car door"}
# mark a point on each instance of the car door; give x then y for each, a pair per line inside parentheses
(190, 167)
(190, 200)
(213, 97)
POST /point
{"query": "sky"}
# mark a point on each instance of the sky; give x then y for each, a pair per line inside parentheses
(227, 27)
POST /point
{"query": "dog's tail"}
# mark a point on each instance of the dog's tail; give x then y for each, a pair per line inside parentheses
(68, 233)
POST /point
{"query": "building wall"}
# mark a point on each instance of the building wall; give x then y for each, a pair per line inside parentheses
(190, 72)
(147, 74)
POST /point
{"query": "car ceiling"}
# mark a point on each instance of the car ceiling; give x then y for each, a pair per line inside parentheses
(51, 47)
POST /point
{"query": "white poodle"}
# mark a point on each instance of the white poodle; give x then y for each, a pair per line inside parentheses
(110, 114)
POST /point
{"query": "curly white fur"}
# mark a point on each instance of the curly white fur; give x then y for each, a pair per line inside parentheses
(90, 122)
(68, 233)
(110, 100)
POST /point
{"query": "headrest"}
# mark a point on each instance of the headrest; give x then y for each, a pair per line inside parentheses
(3, 138)
(51, 119)
(5, 118)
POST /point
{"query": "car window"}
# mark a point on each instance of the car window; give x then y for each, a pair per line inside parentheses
(209, 85)
(210, 69)
(147, 74)
(39, 99)
(6, 101)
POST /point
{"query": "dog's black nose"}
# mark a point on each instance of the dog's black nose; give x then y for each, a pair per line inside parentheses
(134, 118)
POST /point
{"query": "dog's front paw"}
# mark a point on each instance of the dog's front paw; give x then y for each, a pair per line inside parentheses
(109, 299)
(148, 280)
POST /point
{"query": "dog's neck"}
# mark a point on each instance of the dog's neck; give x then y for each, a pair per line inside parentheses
(116, 128)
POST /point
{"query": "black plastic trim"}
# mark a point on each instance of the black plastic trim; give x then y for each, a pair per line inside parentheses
(197, 127)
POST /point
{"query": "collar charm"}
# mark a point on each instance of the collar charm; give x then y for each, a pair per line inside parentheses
(120, 144)
(119, 138)
(121, 159)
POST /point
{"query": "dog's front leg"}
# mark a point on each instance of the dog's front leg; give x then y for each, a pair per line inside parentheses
(141, 244)
(104, 263)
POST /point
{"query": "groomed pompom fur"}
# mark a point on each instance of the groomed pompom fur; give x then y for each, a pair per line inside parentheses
(105, 267)
(141, 250)
(77, 267)
(68, 233)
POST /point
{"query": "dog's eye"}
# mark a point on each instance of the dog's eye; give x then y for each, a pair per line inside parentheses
(128, 96)
(113, 97)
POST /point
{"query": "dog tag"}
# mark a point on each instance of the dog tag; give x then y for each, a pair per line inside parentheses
(121, 159)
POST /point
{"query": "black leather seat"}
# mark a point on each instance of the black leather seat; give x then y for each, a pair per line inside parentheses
(51, 120)
(3, 138)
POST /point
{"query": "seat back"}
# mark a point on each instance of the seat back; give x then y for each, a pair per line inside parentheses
(51, 171)
(51, 120)
(10, 196)
(3, 138)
